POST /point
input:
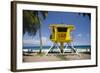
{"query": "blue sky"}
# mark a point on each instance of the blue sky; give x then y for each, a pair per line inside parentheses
(81, 34)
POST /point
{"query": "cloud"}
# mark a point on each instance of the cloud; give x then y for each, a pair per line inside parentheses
(44, 40)
(35, 41)
(31, 42)
(79, 35)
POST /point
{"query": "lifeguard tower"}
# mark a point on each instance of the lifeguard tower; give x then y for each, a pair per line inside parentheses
(60, 34)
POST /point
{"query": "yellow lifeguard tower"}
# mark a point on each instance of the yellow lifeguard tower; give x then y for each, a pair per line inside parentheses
(61, 33)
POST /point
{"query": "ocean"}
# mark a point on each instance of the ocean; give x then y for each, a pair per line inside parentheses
(47, 47)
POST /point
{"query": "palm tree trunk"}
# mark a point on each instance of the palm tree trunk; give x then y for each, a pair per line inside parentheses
(40, 35)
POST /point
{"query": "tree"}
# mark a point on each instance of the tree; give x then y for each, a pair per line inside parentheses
(32, 22)
(86, 14)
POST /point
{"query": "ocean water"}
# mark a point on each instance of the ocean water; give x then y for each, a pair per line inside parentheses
(47, 47)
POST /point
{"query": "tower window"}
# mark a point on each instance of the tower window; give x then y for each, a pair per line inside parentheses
(62, 29)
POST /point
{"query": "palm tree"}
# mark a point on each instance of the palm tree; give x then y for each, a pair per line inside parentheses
(32, 22)
(85, 14)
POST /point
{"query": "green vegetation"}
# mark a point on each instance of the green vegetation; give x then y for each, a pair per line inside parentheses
(32, 22)
(86, 14)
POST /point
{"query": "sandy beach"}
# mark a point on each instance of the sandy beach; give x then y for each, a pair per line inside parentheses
(35, 57)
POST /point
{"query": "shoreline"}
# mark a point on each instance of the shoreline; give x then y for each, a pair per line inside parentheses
(57, 50)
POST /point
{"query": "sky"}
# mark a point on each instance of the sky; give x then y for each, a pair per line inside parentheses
(81, 35)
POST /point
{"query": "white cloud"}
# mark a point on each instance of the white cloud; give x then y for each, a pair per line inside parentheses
(79, 35)
(44, 40)
(35, 41)
(31, 42)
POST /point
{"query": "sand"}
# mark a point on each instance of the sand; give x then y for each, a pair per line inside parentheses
(34, 57)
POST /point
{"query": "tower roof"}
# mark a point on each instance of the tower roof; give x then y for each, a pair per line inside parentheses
(62, 25)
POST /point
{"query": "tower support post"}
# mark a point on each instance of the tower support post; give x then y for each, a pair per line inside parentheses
(62, 47)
